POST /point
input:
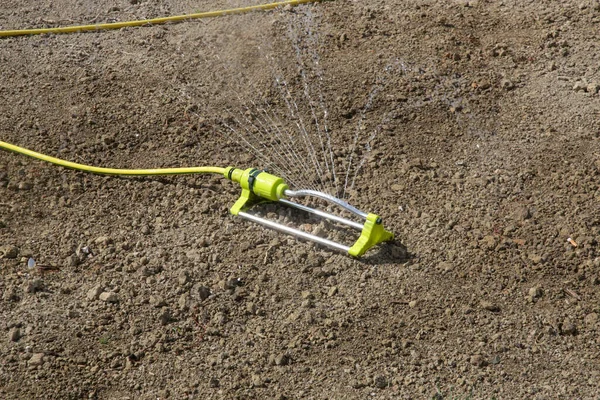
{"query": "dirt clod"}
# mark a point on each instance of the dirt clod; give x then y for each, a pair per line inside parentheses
(14, 334)
(9, 251)
(109, 297)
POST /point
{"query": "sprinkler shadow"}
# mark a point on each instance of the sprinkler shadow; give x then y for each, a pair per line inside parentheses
(392, 252)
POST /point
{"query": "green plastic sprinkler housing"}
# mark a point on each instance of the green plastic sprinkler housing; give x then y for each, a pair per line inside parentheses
(257, 186)
(260, 186)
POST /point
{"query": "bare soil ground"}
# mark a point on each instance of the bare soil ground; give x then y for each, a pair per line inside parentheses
(486, 163)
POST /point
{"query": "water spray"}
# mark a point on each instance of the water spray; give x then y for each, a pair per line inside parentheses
(257, 186)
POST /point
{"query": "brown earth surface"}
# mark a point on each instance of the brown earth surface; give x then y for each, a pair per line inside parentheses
(485, 164)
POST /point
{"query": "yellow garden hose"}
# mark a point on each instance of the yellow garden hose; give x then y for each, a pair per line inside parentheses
(110, 171)
(154, 21)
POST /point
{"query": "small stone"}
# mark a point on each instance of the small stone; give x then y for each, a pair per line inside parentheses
(279, 359)
(568, 328)
(14, 334)
(183, 278)
(593, 88)
(9, 251)
(522, 213)
(507, 84)
(332, 291)
(412, 303)
(307, 303)
(308, 295)
(94, 293)
(33, 286)
(282, 359)
(445, 266)
(380, 382)
(25, 186)
(103, 241)
(73, 260)
(165, 316)
(580, 86)
(232, 284)
(203, 292)
(36, 359)
(535, 292)
(219, 319)
(109, 297)
(214, 382)
(157, 301)
(478, 361)
(183, 301)
(488, 305)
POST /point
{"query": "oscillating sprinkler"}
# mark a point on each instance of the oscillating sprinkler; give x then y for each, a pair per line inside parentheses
(259, 186)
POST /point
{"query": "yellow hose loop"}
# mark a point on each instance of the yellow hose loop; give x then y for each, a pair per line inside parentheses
(154, 21)
(110, 171)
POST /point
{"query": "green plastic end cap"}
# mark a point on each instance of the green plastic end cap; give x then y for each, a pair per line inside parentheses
(372, 234)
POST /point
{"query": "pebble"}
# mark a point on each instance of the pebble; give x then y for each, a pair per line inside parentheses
(94, 293)
(183, 278)
(36, 359)
(103, 241)
(25, 186)
(308, 295)
(183, 301)
(380, 382)
(478, 361)
(445, 266)
(165, 316)
(488, 305)
(568, 328)
(157, 301)
(9, 251)
(506, 84)
(580, 86)
(332, 291)
(203, 292)
(14, 334)
(522, 213)
(279, 359)
(109, 297)
(535, 292)
(593, 88)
